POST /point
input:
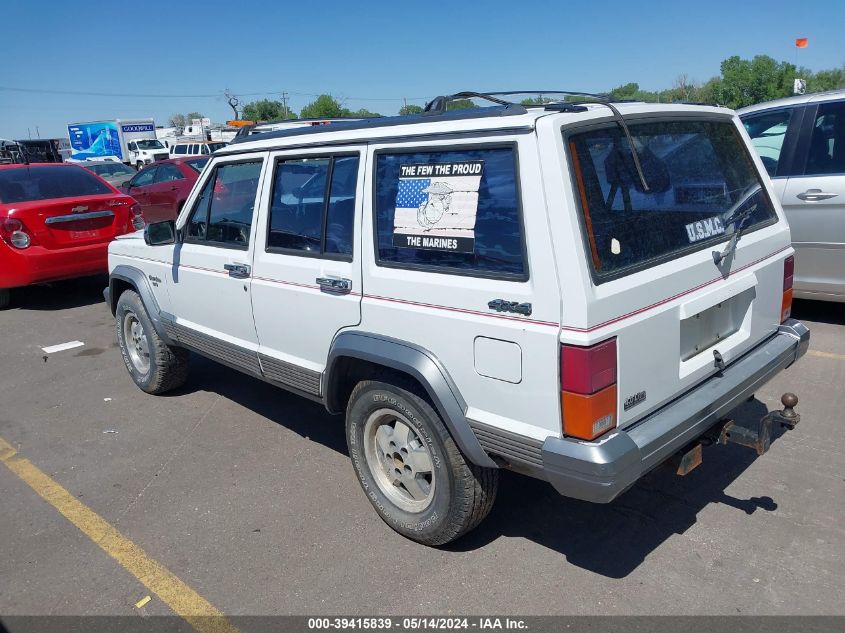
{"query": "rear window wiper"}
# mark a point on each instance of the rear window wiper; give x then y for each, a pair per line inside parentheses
(737, 219)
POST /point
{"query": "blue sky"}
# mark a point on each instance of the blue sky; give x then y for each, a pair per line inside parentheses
(372, 54)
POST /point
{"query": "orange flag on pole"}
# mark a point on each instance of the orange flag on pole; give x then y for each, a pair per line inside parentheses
(801, 42)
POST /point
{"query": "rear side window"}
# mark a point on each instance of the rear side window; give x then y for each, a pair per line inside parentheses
(701, 184)
(827, 143)
(452, 211)
(313, 206)
(168, 172)
(44, 183)
(222, 215)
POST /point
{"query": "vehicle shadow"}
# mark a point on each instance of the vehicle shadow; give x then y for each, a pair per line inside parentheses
(60, 295)
(610, 540)
(819, 311)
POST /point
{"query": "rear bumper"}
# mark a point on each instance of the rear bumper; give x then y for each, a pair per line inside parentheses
(602, 470)
(38, 265)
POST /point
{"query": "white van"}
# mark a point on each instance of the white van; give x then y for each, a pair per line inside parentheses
(195, 148)
(575, 291)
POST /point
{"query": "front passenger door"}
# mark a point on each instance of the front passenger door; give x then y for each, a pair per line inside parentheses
(211, 282)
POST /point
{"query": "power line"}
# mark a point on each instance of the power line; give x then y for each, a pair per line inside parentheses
(216, 95)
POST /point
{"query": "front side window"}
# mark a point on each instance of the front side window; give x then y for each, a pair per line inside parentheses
(313, 205)
(223, 212)
(450, 211)
(700, 184)
(144, 177)
(827, 143)
(768, 131)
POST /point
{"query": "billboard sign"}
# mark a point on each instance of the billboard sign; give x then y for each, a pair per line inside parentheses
(94, 140)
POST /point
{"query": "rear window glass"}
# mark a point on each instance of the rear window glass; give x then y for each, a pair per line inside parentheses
(701, 184)
(44, 183)
(450, 211)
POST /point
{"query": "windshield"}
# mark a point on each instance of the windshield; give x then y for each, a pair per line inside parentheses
(44, 183)
(700, 177)
(149, 144)
(197, 163)
(110, 169)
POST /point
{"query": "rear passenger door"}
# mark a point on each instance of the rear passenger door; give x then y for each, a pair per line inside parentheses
(814, 202)
(458, 260)
(307, 271)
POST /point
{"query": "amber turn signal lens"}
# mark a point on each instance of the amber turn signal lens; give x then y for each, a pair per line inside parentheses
(786, 305)
(588, 416)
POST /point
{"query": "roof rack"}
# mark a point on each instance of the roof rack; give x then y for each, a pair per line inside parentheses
(441, 103)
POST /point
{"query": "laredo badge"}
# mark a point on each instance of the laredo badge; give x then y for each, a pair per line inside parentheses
(436, 205)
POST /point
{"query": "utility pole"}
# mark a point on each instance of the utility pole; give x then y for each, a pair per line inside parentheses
(285, 104)
(37, 132)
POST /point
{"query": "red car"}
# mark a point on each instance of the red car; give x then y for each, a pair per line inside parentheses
(56, 222)
(162, 187)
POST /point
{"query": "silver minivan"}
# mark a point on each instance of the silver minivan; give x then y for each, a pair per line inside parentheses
(801, 141)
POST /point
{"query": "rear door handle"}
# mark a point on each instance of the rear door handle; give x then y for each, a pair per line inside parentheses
(814, 195)
(334, 285)
(238, 271)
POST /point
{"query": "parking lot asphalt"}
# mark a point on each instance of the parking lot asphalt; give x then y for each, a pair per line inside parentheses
(246, 494)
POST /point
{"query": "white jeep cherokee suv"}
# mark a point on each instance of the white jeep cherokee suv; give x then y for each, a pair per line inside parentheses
(575, 291)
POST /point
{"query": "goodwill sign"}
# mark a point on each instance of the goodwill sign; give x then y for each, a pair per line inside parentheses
(436, 205)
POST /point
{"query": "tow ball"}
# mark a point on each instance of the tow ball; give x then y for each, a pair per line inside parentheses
(754, 435)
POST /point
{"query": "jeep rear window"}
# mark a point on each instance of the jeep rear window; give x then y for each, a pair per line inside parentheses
(699, 175)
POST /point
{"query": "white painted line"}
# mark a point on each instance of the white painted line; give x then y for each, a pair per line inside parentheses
(62, 347)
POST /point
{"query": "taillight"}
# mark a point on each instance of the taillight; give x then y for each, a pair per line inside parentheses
(136, 216)
(15, 233)
(786, 301)
(588, 389)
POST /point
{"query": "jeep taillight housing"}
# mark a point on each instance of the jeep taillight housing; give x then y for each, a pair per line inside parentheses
(588, 396)
(15, 233)
(786, 301)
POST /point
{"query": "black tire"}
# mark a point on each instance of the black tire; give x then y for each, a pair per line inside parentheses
(5, 298)
(463, 493)
(167, 366)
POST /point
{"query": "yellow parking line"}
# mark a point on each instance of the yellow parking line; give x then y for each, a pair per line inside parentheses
(186, 602)
(815, 352)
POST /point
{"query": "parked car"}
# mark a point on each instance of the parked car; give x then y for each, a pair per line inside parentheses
(540, 292)
(113, 172)
(195, 148)
(161, 188)
(56, 222)
(801, 141)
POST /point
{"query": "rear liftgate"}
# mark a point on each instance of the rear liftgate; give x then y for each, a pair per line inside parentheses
(754, 435)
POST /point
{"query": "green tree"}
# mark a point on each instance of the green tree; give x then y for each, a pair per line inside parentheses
(266, 110)
(410, 108)
(193, 115)
(363, 113)
(460, 104)
(323, 107)
(745, 82)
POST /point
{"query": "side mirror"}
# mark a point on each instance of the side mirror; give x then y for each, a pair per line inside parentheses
(160, 233)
